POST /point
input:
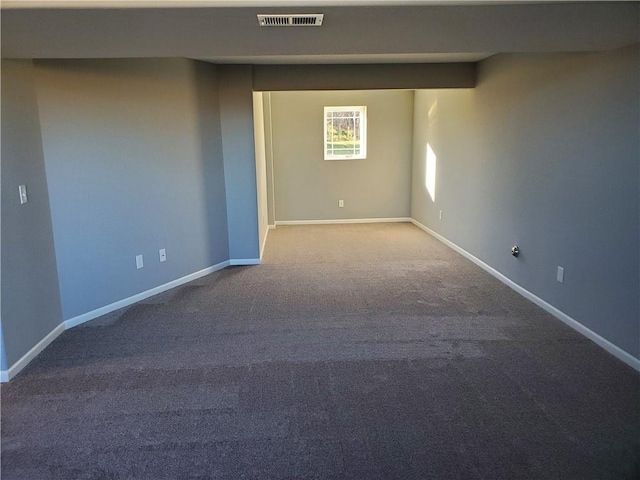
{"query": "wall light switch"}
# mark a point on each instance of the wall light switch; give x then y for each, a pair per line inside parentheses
(341, 203)
(440, 214)
(163, 254)
(22, 189)
(560, 275)
(139, 262)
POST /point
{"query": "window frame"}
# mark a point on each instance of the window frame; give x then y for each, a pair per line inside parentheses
(362, 109)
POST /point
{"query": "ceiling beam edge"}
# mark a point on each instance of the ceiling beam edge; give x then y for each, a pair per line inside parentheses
(364, 77)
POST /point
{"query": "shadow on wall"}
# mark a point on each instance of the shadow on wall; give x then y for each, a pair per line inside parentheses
(210, 137)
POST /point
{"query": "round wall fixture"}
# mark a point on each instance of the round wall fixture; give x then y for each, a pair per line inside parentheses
(515, 250)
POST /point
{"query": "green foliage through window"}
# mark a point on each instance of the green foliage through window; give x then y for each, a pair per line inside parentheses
(345, 133)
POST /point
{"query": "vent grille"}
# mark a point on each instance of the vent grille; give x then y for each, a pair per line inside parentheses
(294, 20)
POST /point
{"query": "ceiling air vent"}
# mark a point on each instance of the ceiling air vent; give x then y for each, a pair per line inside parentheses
(295, 20)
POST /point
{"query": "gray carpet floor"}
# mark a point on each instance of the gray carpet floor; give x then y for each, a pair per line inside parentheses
(352, 352)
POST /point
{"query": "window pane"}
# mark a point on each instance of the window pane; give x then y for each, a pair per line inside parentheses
(343, 151)
(344, 132)
(350, 129)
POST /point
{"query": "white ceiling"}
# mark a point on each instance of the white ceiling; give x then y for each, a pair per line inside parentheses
(358, 31)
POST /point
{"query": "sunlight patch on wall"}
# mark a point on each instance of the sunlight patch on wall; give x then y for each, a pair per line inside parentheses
(433, 113)
(430, 173)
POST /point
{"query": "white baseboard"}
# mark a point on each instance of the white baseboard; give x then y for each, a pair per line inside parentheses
(244, 261)
(98, 312)
(264, 243)
(344, 220)
(272, 227)
(560, 315)
(6, 375)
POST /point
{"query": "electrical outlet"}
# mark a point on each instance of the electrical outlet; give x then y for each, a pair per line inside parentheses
(440, 214)
(560, 274)
(163, 255)
(139, 262)
(340, 203)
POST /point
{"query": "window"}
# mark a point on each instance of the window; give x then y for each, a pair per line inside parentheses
(345, 133)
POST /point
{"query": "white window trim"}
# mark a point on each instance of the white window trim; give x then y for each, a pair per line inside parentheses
(363, 133)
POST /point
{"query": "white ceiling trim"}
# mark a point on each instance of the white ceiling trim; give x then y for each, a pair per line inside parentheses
(252, 3)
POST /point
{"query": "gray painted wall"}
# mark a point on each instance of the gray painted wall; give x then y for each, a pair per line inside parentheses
(30, 296)
(3, 352)
(545, 154)
(133, 159)
(210, 135)
(236, 115)
(307, 187)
